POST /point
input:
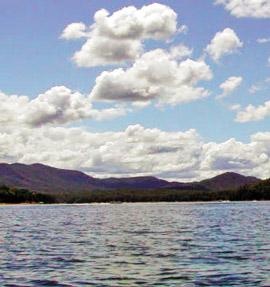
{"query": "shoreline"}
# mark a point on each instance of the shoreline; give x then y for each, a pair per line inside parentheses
(137, 202)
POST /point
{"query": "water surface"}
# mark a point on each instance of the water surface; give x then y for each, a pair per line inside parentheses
(139, 244)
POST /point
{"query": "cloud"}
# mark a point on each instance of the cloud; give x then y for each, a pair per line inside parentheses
(116, 38)
(74, 31)
(58, 105)
(247, 8)
(103, 51)
(259, 86)
(183, 29)
(263, 40)
(252, 113)
(235, 107)
(136, 151)
(156, 75)
(180, 52)
(233, 155)
(224, 43)
(229, 86)
(255, 88)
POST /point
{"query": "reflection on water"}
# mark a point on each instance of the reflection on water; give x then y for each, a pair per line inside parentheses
(157, 244)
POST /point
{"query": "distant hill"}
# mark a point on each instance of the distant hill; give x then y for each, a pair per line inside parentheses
(228, 181)
(42, 178)
(145, 182)
(46, 179)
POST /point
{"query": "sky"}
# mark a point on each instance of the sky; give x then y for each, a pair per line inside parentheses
(174, 89)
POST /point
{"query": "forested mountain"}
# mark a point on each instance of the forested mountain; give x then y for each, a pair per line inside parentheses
(46, 179)
(37, 182)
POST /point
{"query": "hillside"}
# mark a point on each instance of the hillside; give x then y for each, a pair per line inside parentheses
(228, 181)
(46, 179)
(42, 178)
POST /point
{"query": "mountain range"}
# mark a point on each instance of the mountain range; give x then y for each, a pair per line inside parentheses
(49, 180)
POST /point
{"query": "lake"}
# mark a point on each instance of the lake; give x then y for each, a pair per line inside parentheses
(138, 244)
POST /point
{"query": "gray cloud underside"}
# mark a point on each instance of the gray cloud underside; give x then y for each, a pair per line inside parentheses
(156, 75)
(116, 38)
(58, 105)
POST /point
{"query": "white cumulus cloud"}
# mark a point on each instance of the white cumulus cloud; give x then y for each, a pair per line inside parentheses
(247, 8)
(136, 151)
(74, 31)
(156, 75)
(116, 38)
(58, 105)
(229, 86)
(253, 113)
(224, 43)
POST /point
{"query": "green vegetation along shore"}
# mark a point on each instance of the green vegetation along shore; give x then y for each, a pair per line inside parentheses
(260, 191)
(14, 195)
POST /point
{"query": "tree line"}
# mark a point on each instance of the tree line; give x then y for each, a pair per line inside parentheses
(260, 191)
(14, 195)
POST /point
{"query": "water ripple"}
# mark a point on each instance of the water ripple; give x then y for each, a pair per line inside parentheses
(157, 244)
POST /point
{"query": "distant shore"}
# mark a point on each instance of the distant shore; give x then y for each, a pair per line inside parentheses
(137, 202)
(258, 192)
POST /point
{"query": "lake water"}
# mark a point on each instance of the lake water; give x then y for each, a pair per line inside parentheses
(139, 244)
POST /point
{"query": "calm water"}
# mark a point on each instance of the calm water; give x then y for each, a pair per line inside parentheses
(161, 244)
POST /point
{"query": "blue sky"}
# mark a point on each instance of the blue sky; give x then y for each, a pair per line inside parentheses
(34, 58)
